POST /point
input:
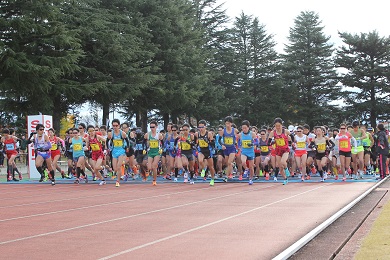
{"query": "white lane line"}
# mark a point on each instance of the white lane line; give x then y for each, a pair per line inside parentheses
(80, 197)
(207, 225)
(313, 233)
(130, 216)
(101, 205)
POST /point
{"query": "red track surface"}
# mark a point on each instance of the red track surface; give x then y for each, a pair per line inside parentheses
(170, 221)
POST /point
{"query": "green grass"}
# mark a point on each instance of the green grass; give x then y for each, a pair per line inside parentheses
(376, 245)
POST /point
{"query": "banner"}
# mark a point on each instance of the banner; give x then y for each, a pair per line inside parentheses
(32, 122)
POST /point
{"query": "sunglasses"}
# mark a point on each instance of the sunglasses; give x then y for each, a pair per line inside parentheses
(299, 131)
(342, 128)
(200, 127)
(152, 127)
(90, 131)
(185, 129)
(174, 130)
(75, 133)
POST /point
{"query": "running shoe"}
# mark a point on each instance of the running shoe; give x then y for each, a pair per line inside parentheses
(95, 178)
(250, 182)
(212, 182)
(202, 173)
(287, 172)
(175, 179)
(245, 175)
(102, 183)
(302, 179)
(62, 174)
(192, 181)
(240, 178)
(14, 179)
(322, 180)
(267, 177)
(336, 177)
(275, 178)
(231, 176)
(117, 184)
(154, 183)
(344, 179)
(20, 177)
(76, 181)
(225, 179)
(53, 182)
(86, 178)
(185, 180)
(285, 182)
(10, 178)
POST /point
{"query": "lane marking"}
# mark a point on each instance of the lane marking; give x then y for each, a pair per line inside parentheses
(102, 204)
(207, 225)
(128, 217)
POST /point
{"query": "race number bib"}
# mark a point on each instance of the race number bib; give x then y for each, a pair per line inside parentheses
(10, 147)
(77, 147)
(359, 142)
(321, 147)
(95, 147)
(280, 142)
(203, 143)
(264, 149)
(153, 144)
(185, 146)
(228, 140)
(246, 144)
(301, 144)
(54, 147)
(118, 142)
(344, 144)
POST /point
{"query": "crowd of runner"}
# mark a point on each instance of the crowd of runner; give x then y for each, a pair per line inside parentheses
(182, 153)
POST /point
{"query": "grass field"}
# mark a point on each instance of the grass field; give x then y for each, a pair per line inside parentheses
(376, 245)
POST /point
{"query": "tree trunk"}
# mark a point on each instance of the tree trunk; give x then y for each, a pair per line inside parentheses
(106, 113)
(166, 120)
(57, 114)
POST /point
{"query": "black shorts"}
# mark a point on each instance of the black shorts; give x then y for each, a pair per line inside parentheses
(311, 154)
(164, 154)
(346, 154)
(257, 154)
(206, 153)
(319, 156)
(220, 152)
(189, 156)
(69, 155)
(130, 152)
(140, 157)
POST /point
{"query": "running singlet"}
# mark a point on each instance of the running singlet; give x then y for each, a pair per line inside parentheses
(321, 145)
(229, 140)
(281, 140)
(358, 136)
(95, 145)
(264, 148)
(344, 142)
(247, 144)
(301, 143)
(185, 146)
(77, 147)
(203, 141)
(54, 144)
(10, 145)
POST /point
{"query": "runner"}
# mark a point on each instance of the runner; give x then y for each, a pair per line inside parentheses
(118, 142)
(206, 142)
(154, 143)
(301, 142)
(185, 146)
(358, 152)
(9, 142)
(78, 145)
(265, 153)
(382, 148)
(42, 147)
(282, 150)
(228, 146)
(247, 141)
(322, 145)
(344, 138)
(97, 155)
(55, 150)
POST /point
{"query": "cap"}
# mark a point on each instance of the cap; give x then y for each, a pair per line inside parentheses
(370, 129)
(290, 128)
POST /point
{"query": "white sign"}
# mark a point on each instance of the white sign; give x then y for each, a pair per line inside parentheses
(32, 121)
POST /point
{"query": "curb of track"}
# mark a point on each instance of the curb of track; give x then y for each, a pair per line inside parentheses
(313, 233)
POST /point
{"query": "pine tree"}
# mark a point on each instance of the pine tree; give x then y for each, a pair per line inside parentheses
(309, 72)
(366, 57)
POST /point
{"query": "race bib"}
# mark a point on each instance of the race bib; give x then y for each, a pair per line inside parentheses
(365, 143)
(280, 142)
(359, 142)
(77, 147)
(54, 147)
(228, 140)
(321, 147)
(95, 147)
(185, 146)
(301, 144)
(344, 144)
(118, 143)
(203, 143)
(246, 144)
(264, 149)
(153, 144)
(10, 147)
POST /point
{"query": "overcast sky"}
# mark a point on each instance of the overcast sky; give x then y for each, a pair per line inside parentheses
(336, 15)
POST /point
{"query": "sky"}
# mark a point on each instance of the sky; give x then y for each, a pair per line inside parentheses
(337, 16)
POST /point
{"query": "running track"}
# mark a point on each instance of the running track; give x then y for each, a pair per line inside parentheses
(170, 221)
